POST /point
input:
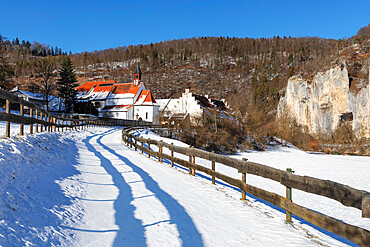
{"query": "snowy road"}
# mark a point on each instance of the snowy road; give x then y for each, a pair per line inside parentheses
(115, 196)
(135, 201)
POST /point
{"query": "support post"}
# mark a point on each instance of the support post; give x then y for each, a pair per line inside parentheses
(37, 117)
(213, 169)
(161, 151)
(148, 147)
(193, 170)
(289, 197)
(135, 145)
(21, 131)
(365, 205)
(31, 125)
(7, 128)
(42, 118)
(190, 160)
(142, 147)
(172, 156)
(244, 180)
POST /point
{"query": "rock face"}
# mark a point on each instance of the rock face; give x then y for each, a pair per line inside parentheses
(326, 101)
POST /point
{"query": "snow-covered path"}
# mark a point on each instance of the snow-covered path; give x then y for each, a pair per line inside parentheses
(110, 195)
(135, 201)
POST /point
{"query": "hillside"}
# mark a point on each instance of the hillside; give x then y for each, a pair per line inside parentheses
(254, 70)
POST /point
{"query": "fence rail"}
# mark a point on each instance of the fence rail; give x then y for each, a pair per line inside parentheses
(51, 122)
(347, 195)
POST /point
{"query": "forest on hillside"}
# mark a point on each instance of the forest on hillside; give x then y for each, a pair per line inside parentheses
(245, 71)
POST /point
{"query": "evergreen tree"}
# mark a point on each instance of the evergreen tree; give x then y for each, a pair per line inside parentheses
(67, 83)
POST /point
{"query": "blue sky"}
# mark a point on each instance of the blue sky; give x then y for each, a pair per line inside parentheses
(94, 25)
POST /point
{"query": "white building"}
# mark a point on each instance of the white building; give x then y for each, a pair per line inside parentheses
(121, 100)
(54, 104)
(191, 105)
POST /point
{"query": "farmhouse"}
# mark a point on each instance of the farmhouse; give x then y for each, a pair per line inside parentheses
(54, 103)
(121, 100)
(192, 106)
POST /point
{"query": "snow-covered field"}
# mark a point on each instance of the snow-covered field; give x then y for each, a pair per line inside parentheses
(349, 170)
(85, 188)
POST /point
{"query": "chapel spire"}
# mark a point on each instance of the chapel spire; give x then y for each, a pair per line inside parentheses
(137, 75)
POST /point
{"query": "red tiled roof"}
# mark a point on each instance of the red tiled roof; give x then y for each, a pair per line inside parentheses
(149, 97)
(126, 88)
(90, 84)
(145, 98)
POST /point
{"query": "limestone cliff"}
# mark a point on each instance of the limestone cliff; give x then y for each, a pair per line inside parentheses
(324, 102)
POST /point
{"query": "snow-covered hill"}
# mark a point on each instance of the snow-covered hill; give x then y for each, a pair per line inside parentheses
(85, 188)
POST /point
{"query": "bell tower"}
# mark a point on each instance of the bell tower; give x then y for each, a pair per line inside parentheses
(137, 75)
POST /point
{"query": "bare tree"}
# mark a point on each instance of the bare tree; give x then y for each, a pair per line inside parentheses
(44, 69)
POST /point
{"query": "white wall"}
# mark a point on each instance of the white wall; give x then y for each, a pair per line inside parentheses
(186, 104)
(120, 101)
(148, 113)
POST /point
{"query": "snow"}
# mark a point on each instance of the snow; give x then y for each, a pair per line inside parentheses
(86, 188)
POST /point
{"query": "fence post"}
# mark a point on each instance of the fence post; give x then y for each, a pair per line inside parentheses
(42, 119)
(135, 145)
(193, 170)
(148, 147)
(244, 180)
(365, 205)
(172, 156)
(142, 146)
(31, 125)
(213, 169)
(7, 128)
(37, 117)
(21, 131)
(161, 151)
(190, 160)
(289, 197)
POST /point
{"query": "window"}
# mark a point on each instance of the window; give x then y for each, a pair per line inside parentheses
(146, 116)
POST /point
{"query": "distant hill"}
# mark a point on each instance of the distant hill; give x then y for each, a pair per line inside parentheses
(248, 72)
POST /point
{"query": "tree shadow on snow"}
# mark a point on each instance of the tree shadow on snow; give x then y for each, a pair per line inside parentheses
(131, 230)
(186, 228)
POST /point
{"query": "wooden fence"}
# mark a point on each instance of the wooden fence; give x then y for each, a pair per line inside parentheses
(346, 195)
(51, 122)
